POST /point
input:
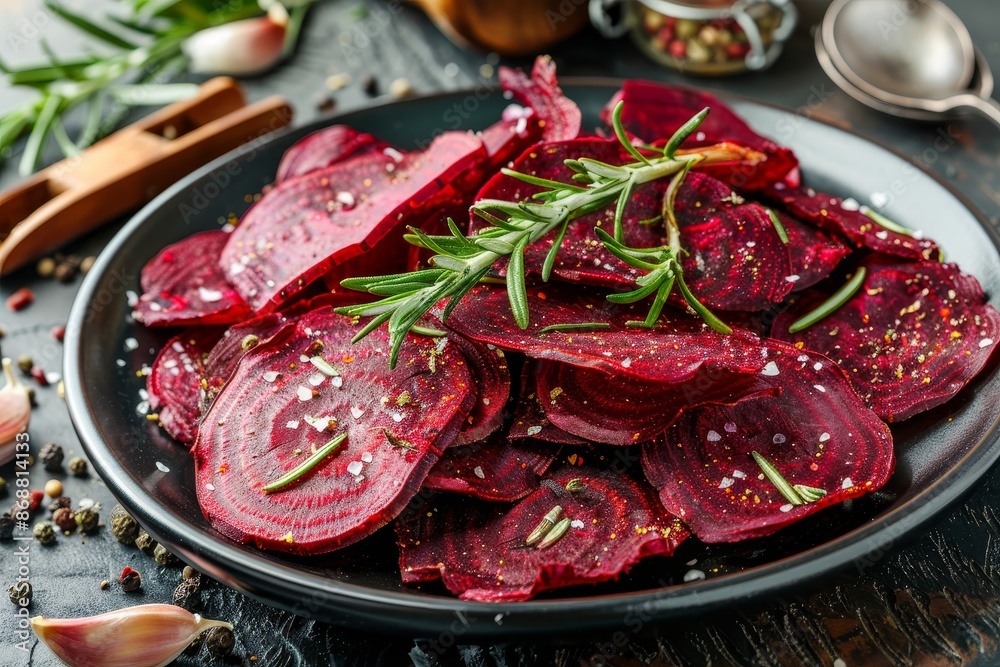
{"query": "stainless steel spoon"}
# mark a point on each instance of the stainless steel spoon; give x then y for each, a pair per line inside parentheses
(911, 58)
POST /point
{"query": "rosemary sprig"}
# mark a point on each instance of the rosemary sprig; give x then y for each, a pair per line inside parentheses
(778, 226)
(831, 305)
(298, 471)
(576, 326)
(461, 262)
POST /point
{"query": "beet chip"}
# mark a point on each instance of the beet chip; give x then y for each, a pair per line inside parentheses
(306, 225)
(488, 368)
(529, 415)
(184, 286)
(294, 394)
(814, 254)
(324, 148)
(541, 93)
(817, 433)
(845, 218)
(174, 382)
(495, 469)
(480, 552)
(654, 112)
(910, 339)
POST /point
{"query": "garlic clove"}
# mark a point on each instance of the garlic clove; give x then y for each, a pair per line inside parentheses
(239, 48)
(15, 412)
(149, 635)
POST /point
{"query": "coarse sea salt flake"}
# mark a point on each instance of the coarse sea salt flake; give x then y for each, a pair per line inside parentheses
(626, 362)
(576, 523)
(209, 295)
(304, 393)
(316, 379)
(787, 507)
(779, 439)
(986, 342)
(367, 457)
(820, 388)
(726, 482)
(162, 467)
(355, 467)
(271, 376)
(713, 436)
(397, 417)
(294, 423)
(730, 427)
(478, 470)
(792, 278)
(694, 575)
(739, 474)
(824, 436)
(848, 483)
(771, 369)
(357, 412)
(133, 344)
(337, 382)
(534, 430)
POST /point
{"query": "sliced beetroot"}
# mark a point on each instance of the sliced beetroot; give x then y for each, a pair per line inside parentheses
(305, 226)
(174, 383)
(677, 364)
(844, 217)
(910, 339)
(324, 148)
(817, 433)
(479, 551)
(529, 415)
(813, 253)
(735, 259)
(280, 404)
(560, 117)
(496, 469)
(654, 111)
(184, 286)
(491, 376)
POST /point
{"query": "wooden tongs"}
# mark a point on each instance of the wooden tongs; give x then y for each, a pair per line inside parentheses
(128, 168)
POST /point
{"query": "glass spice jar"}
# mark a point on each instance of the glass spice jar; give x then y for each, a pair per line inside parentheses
(708, 37)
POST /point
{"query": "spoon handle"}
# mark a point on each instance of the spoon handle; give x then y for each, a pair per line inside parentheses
(987, 106)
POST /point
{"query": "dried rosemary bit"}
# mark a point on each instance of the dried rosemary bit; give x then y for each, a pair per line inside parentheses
(398, 442)
(797, 494)
(575, 485)
(307, 465)
(544, 526)
(249, 341)
(555, 534)
(324, 366)
(583, 326)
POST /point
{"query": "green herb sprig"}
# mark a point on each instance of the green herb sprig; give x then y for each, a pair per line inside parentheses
(461, 262)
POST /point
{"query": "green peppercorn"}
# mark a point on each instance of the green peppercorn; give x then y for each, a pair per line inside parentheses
(77, 467)
(19, 593)
(189, 572)
(25, 363)
(65, 519)
(3, 488)
(145, 543)
(164, 557)
(123, 525)
(131, 582)
(219, 641)
(6, 527)
(87, 519)
(51, 456)
(44, 532)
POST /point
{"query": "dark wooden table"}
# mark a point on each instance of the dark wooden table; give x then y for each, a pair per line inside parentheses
(933, 600)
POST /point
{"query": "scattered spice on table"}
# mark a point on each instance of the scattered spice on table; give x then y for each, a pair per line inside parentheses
(123, 525)
(64, 519)
(130, 580)
(164, 557)
(20, 592)
(77, 467)
(87, 519)
(53, 488)
(44, 532)
(51, 456)
(20, 299)
(145, 543)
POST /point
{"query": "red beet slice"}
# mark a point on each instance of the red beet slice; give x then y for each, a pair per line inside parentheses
(560, 115)
(529, 415)
(279, 404)
(814, 254)
(735, 260)
(324, 148)
(305, 226)
(654, 112)
(491, 376)
(817, 433)
(174, 382)
(496, 469)
(480, 554)
(184, 286)
(910, 339)
(844, 217)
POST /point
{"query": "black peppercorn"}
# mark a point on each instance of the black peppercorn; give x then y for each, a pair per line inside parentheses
(6, 527)
(87, 519)
(44, 532)
(19, 593)
(60, 503)
(131, 581)
(64, 518)
(51, 456)
(187, 593)
(65, 272)
(123, 525)
(145, 543)
(219, 641)
(370, 85)
(164, 557)
(77, 467)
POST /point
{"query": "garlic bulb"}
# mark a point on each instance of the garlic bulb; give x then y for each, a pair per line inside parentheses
(239, 48)
(15, 412)
(150, 635)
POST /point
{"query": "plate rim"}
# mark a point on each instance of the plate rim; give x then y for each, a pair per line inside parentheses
(409, 612)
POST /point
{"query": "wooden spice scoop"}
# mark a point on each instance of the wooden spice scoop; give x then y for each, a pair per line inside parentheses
(128, 168)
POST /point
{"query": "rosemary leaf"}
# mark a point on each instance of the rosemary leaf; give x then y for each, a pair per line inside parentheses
(298, 471)
(623, 139)
(550, 256)
(778, 480)
(580, 326)
(885, 222)
(831, 305)
(89, 27)
(778, 226)
(685, 131)
(516, 287)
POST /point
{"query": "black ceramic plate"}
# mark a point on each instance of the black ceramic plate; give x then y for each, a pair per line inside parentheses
(941, 454)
